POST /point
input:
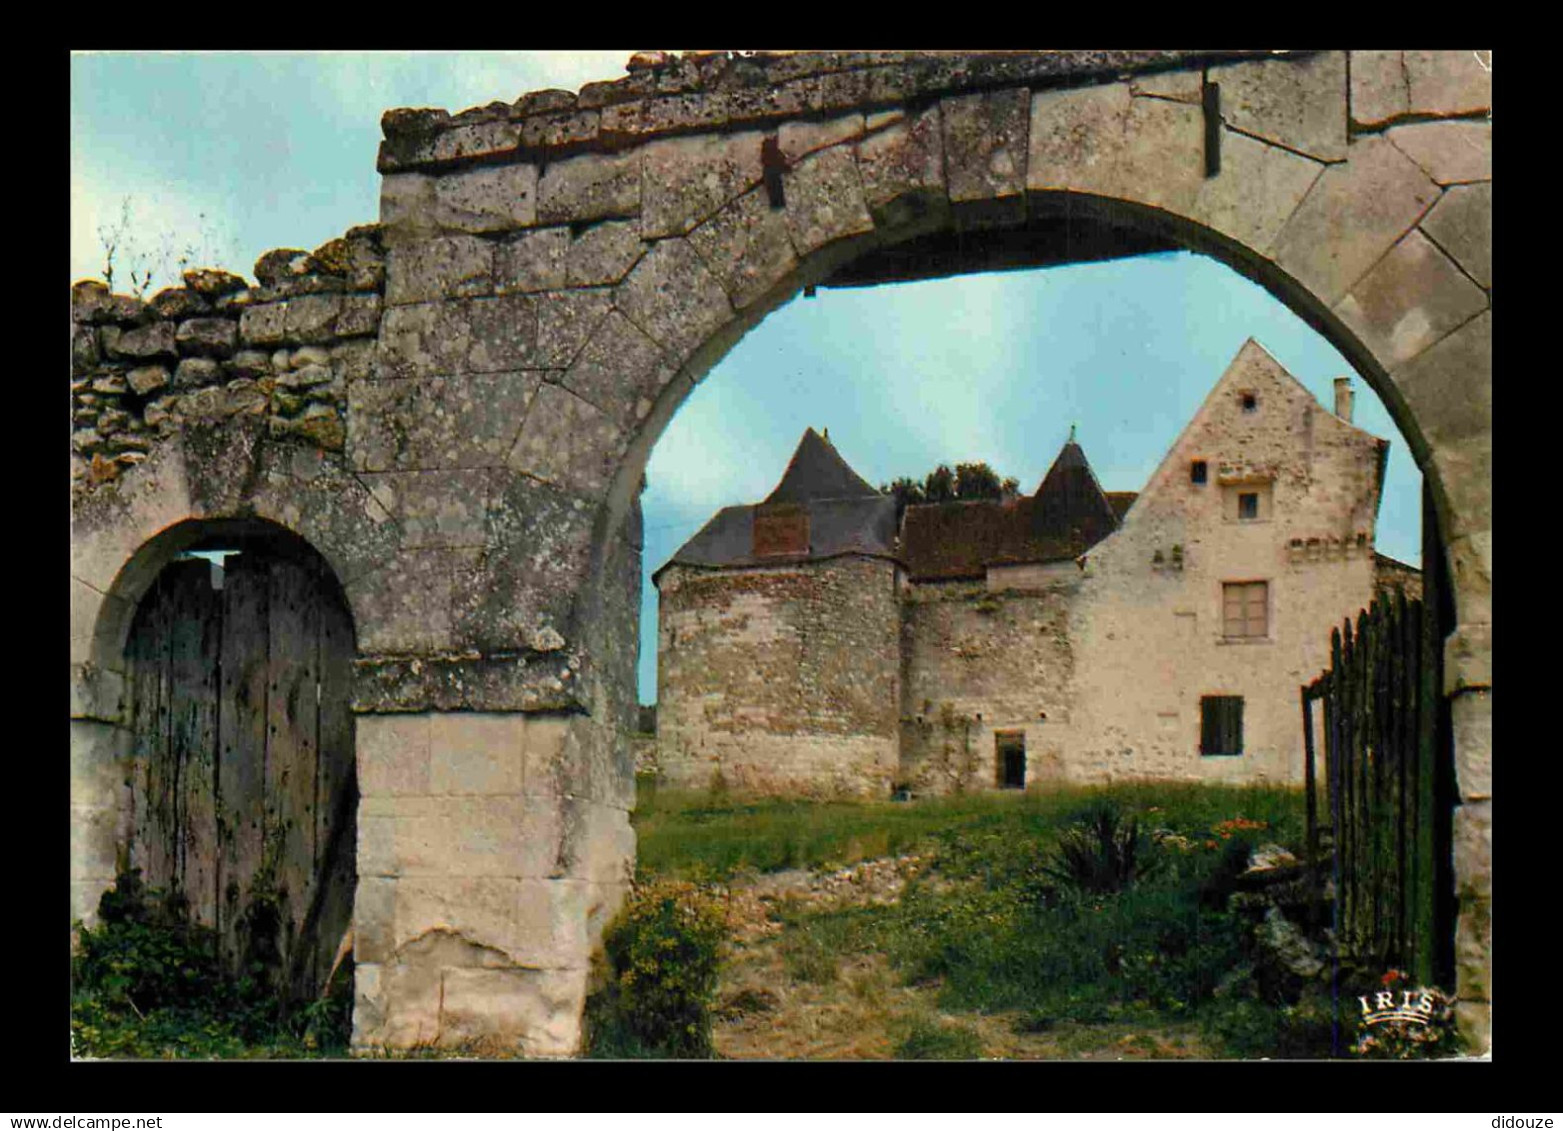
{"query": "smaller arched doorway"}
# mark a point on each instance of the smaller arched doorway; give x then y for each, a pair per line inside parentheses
(243, 790)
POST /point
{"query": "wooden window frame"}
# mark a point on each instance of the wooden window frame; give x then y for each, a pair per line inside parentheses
(1246, 619)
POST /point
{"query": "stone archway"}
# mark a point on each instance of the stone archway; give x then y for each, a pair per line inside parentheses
(562, 270)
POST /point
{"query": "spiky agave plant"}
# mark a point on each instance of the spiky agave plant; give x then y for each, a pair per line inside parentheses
(1102, 853)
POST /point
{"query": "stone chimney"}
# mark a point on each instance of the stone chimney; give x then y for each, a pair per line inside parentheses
(1343, 398)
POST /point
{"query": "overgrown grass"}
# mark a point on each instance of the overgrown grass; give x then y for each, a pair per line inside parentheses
(704, 836)
(1013, 912)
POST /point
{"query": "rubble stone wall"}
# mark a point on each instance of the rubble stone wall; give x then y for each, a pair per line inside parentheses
(780, 679)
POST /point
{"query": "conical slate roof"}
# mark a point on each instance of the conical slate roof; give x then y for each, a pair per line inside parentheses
(817, 471)
(1070, 499)
(820, 501)
(1067, 516)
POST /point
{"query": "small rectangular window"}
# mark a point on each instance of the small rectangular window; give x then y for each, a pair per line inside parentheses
(1010, 747)
(1221, 725)
(1245, 609)
(1197, 471)
(1250, 402)
(1248, 505)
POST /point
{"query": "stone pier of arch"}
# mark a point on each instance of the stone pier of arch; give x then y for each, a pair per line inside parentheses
(455, 406)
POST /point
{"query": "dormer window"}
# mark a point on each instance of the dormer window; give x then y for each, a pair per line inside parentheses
(1250, 401)
(1199, 471)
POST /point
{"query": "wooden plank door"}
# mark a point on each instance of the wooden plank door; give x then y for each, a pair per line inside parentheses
(244, 784)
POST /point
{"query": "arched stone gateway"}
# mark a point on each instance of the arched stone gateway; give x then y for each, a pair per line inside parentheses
(462, 434)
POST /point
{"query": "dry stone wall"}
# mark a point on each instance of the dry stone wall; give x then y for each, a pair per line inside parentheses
(283, 350)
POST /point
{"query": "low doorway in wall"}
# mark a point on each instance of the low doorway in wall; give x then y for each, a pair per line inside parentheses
(244, 791)
(1010, 750)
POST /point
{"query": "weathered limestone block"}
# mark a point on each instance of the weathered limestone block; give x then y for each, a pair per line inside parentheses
(602, 254)
(85, 354)
(598, 843)
(1103, 140)
(1449, 386)
(147, 379)
(797, 140)
(208, 337)
(1471, 717)
(246, 397)
(93, 838)
(354, 360)
(196, 372)
(1473, 966)
(496, 836)
(1461, 224)
(179, 302)
(1452, 152)
(424, 340)
(98, 750)
(405, 605)
(504, 334)
(824, 197)
(304, 376)
(985, 143)
(686, 179)
(535, 1012)
(593, 186)
(359, 316)
(1258, 188)
(281, 264)
(475, 753)
(747, 247)
(263, 324)
(407, 204)
(1473, 851)
(1448, 82)
(393, 755)
(1379, 90)
(439, 268)
(483, 139)
(312, 318)
(525, 582)
(1464, 479)
(532, 261)
(547, 130)
(1352, 215)
(672, 297)
(567, 442)
(451, 422)
(1299, 103)
(1470, 566)
(1411, 298)
(150, 341)
(110, 382)
(620, 370)
(91, 302)
(542, 102)
(565, 319)
(210, 283)
(1179, 86)
(490, 199)
(437, 508)
(904, 160)
(580, 758)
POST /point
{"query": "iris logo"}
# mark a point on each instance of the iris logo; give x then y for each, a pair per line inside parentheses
(1415, 1006)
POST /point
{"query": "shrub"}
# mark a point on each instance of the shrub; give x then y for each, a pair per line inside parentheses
(663, 953)
(1102, 853)
(147, 982)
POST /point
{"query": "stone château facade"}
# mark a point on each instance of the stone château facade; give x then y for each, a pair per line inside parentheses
(806, 644)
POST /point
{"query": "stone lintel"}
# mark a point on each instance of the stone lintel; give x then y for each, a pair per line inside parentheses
(503, 681)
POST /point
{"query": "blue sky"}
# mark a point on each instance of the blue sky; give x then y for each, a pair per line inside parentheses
(238, 153)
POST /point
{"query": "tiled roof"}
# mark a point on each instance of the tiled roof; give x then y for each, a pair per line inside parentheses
(817, 471)
(1067, 516)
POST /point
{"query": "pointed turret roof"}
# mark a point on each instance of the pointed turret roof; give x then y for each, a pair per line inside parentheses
(1069, 498)
(1067, 516)
(817, 471)
(843, 514)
